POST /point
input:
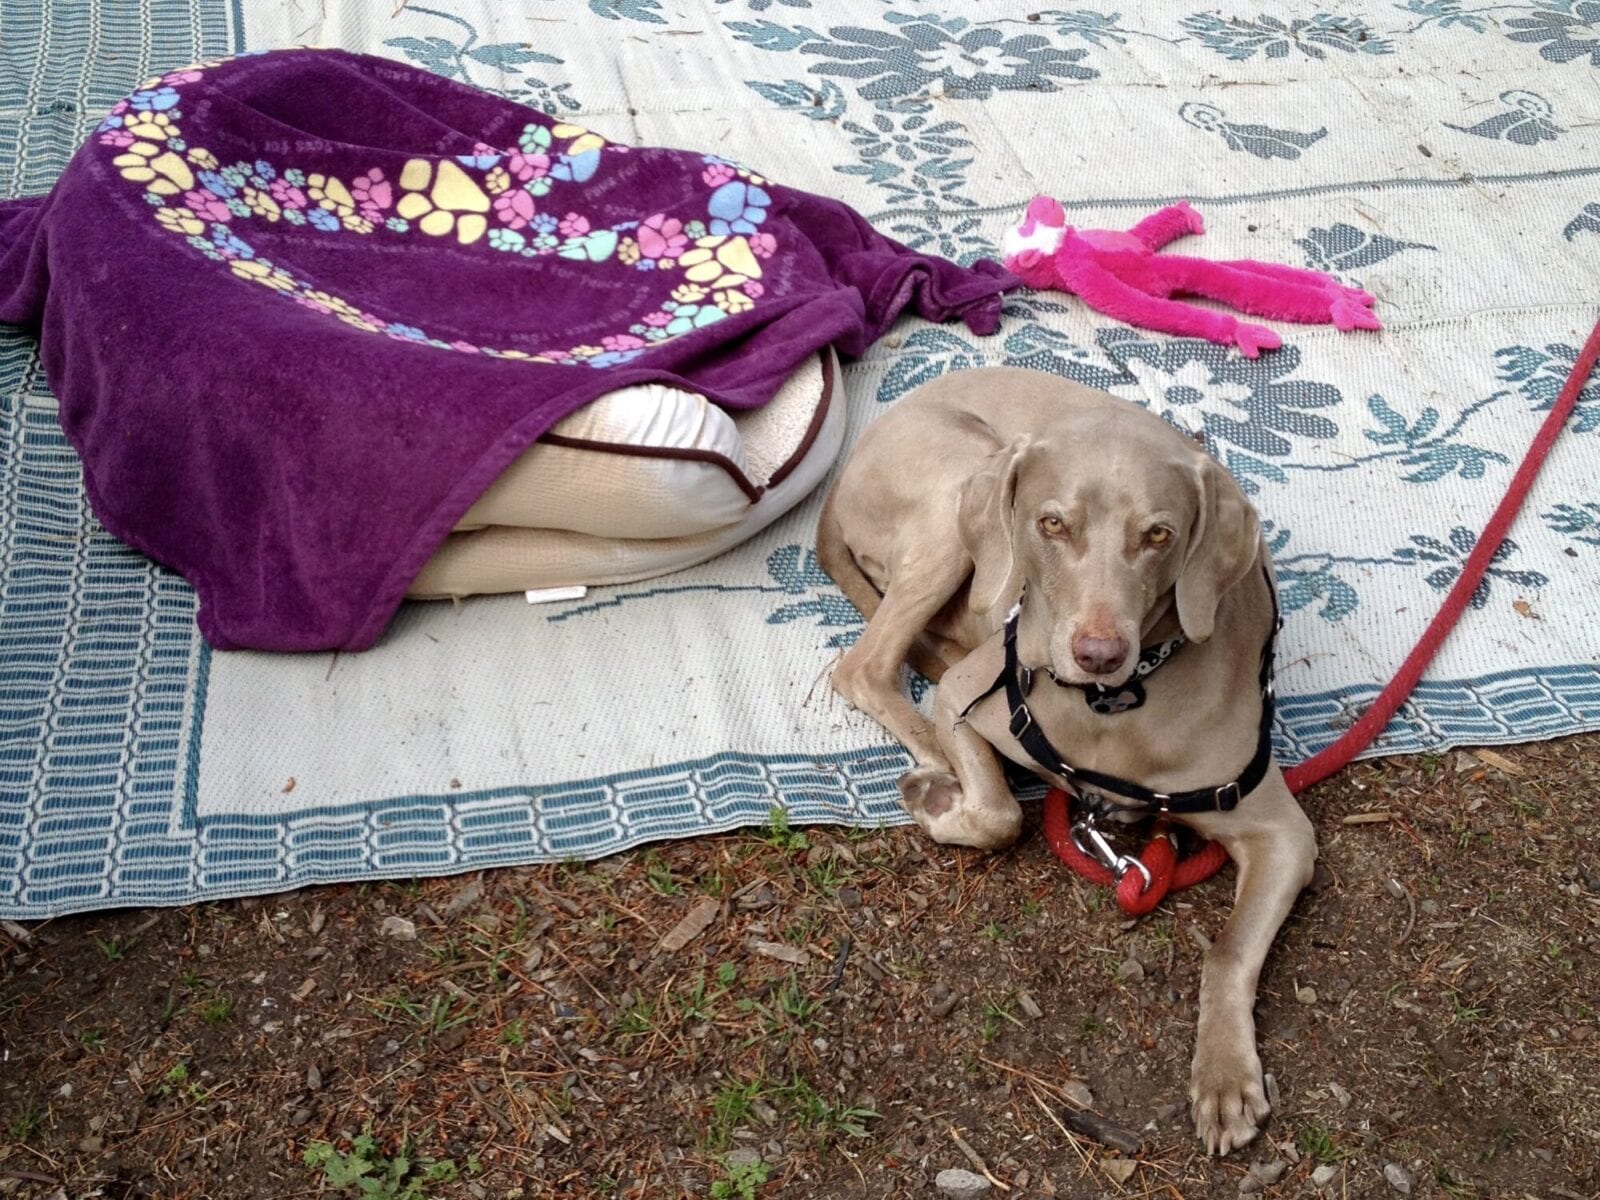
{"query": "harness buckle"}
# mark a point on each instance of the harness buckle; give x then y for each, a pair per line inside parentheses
(1021, 720)
(1227, 797)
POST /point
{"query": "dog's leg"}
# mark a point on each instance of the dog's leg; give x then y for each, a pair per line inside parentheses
(971, 804)
(868, 675)
(1274, 848)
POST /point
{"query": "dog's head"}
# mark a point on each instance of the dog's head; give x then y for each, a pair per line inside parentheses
(1109, 516)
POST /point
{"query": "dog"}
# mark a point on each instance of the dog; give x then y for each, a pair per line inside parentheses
(1001, 521)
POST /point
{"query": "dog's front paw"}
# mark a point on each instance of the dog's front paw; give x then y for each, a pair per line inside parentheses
(936, 799)
(1226, 1098)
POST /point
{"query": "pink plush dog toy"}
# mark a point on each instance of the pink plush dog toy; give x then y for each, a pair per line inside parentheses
(1121, 275)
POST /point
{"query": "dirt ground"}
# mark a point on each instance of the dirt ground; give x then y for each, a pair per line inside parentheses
(862, 1011)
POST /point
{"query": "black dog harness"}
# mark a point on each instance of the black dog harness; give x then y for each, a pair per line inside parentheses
(1017, 681)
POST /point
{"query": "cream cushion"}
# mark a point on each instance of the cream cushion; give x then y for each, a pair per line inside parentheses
(642, 481)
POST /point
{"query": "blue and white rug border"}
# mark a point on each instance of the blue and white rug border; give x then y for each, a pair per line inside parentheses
(185, 858)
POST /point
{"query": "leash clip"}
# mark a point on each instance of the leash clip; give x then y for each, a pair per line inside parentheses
(1104, 852)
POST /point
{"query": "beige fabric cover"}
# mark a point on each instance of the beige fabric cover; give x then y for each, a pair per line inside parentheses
(641, 482)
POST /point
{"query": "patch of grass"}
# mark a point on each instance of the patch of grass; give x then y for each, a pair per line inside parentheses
(638, 1019)
(1454, 1188)
(993, 1015)
(1463, 1011)
(27, 1121)
(658, 874)
(730, 1107)
(444, 1015)
(803, 930)
(796, 1005)
(192, 979)
(1318, 1142)
(997, 932)
(93, 1039)
(1089, 1026)
(170, 1008)
(811, 1110)
(700, 1004)
(215, 1012)
(513, 1034)
(393, 1007)
(826, 878)
(114, 950)
(742, 1181)
(780, 835)
(370, 1174)
(712, 883)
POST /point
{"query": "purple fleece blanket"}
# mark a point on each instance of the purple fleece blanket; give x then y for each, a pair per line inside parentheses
(301, 308)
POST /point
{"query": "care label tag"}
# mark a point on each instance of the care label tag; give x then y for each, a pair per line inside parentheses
(551, 595)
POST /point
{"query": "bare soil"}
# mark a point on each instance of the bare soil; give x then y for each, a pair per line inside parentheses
(861, 1011)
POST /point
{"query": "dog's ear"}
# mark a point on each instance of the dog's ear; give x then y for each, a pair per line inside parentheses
(988, 497)
(1222, 547)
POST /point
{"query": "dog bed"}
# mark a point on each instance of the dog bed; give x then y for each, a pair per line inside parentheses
(640, 482)
(302, 309)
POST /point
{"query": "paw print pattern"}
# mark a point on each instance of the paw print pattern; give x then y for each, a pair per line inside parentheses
(719, 251)
(443, 200)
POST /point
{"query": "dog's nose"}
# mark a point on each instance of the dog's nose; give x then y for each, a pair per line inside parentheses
(1099, 655)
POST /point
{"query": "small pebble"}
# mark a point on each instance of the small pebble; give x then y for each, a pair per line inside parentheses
(318, 920)
(1131, 971)
(945, 1007)
(1274, 1096)
(1119, 1170)
(959, 1184)
(399, 928)
(744, 1156)
(1306, 995)
(1324, 1175)
(313, 1078)
(1078, 1092)
(91, 1144)
(848, 897)
(1399, 1178)
(1268, 1173)
(1029, 1006)
(301, 1116)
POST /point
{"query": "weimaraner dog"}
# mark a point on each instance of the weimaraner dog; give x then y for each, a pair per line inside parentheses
(1038, 548)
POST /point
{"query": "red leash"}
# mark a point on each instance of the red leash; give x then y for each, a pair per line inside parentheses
(1167, 872)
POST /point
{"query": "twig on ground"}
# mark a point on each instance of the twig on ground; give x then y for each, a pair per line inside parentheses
(976, 1159)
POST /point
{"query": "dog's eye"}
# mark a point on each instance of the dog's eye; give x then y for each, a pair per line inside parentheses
(1052, 526)
(1159, 536)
